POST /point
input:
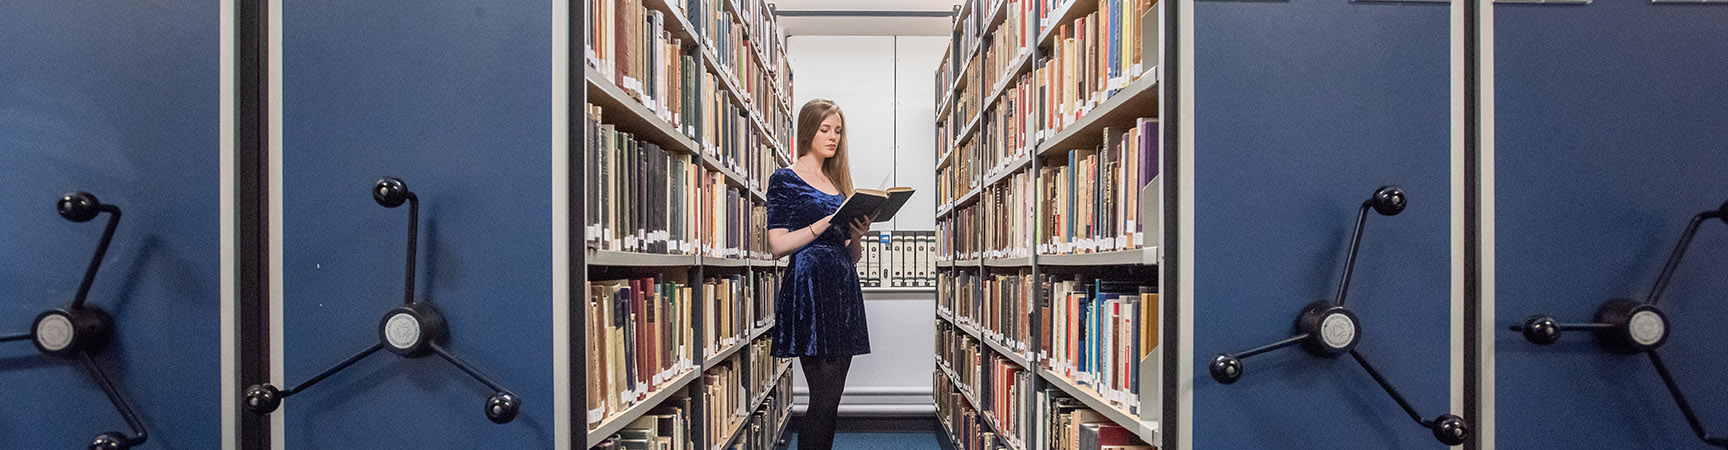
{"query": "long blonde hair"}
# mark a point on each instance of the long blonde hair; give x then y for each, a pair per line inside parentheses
(810, 117)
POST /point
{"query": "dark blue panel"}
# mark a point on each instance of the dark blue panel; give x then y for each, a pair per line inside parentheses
(454, 98)
(1611, 133)
(1303, 109)
(118, 99)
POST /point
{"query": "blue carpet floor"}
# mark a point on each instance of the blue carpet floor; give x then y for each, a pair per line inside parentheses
(881, 441)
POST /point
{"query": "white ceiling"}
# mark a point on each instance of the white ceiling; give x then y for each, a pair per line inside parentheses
(866, 26)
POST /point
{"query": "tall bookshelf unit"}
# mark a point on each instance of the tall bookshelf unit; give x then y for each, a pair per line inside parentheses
(995, 259)
(729, 126)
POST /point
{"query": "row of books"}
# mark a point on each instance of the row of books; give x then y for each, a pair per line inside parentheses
(728, 312)
(1003, 137)
(738, 226)
(898, 259)
(941, 91)
(638, 335)
(643, 198)
(738, 40)
(989, 67)
(745, 391)
(730, 135)
(961, 354)
(763, 366)
(1006, 43)
(768, 423)
(959, 176)
(1093, 195)
(1007, 398)
(962, 420)
(974, 25)
(1069, 425)
(1098, 332)
(1092, 58)
(1004, 311)
(959, 234)
(633, 45)
(725, 402)
(767, 285)
(1008, 210)
(966, 100)
(766, 38)
(640, 198)
(958, 296)
(998, 305)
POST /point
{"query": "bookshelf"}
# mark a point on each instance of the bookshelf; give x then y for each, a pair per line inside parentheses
(1008, 137)
(665, 81)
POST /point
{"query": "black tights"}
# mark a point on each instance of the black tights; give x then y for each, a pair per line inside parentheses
(826, 377)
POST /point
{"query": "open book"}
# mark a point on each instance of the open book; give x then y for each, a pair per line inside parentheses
(878, 205)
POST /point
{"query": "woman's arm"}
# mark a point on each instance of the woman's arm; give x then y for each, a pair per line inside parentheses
(782, 242)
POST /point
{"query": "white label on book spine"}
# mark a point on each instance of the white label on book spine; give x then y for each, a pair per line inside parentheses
(596, 415)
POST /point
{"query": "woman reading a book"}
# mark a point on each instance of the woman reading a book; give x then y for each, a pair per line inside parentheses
(819, 309)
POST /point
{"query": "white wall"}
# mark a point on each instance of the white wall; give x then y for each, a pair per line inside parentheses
(885, 84)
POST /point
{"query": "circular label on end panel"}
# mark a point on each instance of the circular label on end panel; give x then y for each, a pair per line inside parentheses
(1338, 331)
(1646, 327)
(402, 330)
(54, 332)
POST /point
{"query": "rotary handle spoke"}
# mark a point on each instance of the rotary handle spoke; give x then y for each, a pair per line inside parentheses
(413, 235)
(263, 398)
(333, 369)
(1227, 368)
(1680, 251)
(1293, 340)
(18, 337)
(1350, 260)
(1449, 429)
(1389, 389)
(1685, 407)
(101, 251)
(120, 404)
(503, 405)
(460, 364)
(1388, 201)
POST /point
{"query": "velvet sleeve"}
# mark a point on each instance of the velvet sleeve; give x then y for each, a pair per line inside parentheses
(783, 204)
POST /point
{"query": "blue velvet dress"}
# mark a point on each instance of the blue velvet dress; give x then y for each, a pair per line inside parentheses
(819, 309)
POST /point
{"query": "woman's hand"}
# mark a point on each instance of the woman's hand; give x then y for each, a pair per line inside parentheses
(821, 225)
(859, 227)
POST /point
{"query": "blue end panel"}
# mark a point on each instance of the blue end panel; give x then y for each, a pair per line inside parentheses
(1611, 133)
(119, 99)
(1303, 109)
(452, 97)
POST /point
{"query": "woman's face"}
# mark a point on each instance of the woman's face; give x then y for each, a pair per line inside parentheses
(827, 140)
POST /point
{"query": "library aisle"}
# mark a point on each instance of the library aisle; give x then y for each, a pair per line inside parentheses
(1094, 224)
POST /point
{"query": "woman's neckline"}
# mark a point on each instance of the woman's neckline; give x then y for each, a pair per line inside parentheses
(807, 183)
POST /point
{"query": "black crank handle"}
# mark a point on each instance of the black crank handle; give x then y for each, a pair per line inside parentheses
(1449, 429)
(1227, 368)
(263, 399)
(114, 439)
(1544, 330)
